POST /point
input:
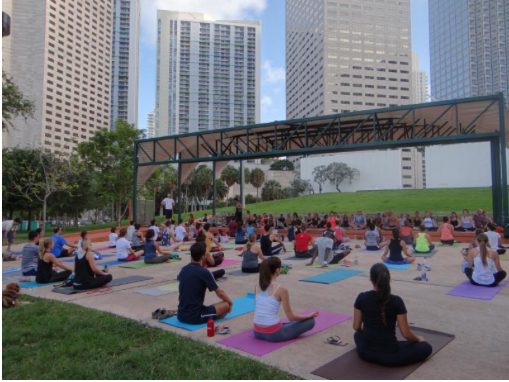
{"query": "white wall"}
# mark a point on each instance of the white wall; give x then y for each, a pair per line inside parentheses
(379, 170)
(462, 165)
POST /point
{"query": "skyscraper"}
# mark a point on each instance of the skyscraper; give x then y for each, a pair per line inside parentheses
(59, 55)
(207, 73)
(125, 60)
(344, 55)
(420, 90)
(150, 125)
(469, 45)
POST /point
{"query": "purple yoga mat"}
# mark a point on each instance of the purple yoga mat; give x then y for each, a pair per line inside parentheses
(469, 290)
(229, 263)
(246, 341)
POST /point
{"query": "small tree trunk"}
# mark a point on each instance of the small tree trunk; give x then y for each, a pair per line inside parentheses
(44, 205)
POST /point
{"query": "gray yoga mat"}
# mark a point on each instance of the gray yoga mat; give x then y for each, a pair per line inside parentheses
(160, 290)
(114, 282)
(350, 366)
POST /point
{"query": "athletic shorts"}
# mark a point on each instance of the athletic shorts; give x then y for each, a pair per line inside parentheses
(129, 258)
(10, 237)
(201, 318)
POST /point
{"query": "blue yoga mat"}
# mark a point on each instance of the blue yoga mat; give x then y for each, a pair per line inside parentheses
(15, 270)
(241, 306)
(111, 262)
(401, 267)
(33, 284)
(333, 276)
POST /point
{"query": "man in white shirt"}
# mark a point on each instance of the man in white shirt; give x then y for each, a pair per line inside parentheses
(168, 203)
(9, 228)
(180, 232)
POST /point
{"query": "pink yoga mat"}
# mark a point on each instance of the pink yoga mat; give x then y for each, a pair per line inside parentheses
(468, 290)
(228, 263)
(247, 342)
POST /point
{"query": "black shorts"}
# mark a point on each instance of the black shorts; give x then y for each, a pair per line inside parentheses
(168, 213)
(196, 319)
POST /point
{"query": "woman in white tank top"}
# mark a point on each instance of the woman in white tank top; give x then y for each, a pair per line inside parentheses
(267, 324)
(484, 267)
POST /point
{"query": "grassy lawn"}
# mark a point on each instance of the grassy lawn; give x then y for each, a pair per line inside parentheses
(54, 340)
(439, 201)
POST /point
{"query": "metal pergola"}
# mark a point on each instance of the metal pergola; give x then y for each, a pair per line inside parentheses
(477, 119)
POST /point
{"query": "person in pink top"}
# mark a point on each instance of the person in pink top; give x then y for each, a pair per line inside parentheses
(332, 220)
(446, 232)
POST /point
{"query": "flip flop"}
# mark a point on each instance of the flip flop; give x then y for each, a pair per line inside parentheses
(167, 314)
(156, 313)
(222, 330)
(336, 341)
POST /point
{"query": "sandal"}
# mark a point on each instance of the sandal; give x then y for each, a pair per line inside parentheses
(222, 329)
(335, 340)
(167, 314)
(156, 313)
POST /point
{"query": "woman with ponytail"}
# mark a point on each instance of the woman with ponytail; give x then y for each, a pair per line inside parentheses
(267, 324)
(484, 267)
(375, 315)
(393, 253)
(251, 255)
(45, 272)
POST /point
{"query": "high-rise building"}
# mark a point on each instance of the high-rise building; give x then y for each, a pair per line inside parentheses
(151, 133)
(344, 55)
(125, 61)
(469, 48)
(420, 91)
(208, 73)
(59, 55)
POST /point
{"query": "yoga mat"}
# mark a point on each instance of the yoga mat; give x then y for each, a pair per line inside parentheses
(247, 342)
(112, 262)
(455, 245)
(228, 245)
(333, 276)
(135, 265)
(160, 290)
(399, 267)
(419, 254)
(228, 263)
(114, 282)
(12, 270)
(34, 284)
(350, 366)
(468, 290)
(241, 306)
(71, 259)
(128, 280)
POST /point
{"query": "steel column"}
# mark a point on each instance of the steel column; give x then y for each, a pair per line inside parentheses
(179, 190)
(134, 203)
(242, 200)
(503, 164)
(213, 188)
(496, 180)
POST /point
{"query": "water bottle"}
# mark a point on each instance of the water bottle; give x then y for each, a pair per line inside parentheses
(210, 327)
(356, 260)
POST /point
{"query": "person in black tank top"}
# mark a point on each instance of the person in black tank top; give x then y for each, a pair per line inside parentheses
(88, 276)
(393, 253)
(45, 272)
(266, 241)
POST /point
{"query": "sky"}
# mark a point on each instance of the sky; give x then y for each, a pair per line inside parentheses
(271, 13)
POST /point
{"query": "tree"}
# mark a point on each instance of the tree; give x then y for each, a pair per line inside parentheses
(320, 176)
(221, 190)
(108, 156)
(200, 183)
(282, 165)
(257, 178)
(160, 183)
(247, 176)
(272, 190)
(230, 175)
(299, 186)
(13, 102)
(338, 172)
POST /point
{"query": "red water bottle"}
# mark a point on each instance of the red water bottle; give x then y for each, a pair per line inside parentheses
(210, 328)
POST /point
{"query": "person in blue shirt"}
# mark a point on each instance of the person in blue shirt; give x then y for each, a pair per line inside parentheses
(194, 280)
(240, 237)
(60, 246)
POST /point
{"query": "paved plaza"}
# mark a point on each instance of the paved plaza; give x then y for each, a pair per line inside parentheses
(479, 350)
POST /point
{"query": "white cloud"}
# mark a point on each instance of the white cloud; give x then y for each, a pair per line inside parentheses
(217, 9)
(272, 74)
(266, 101)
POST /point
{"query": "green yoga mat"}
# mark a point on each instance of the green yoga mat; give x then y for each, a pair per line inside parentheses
(455, 245)
(229, 245)
(136, 265)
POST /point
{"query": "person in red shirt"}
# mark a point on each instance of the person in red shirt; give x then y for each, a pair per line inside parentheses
(232, 227)
(304, 244)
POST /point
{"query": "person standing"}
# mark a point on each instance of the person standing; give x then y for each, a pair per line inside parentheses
(168, 203)
(238, 211)
(9, 228)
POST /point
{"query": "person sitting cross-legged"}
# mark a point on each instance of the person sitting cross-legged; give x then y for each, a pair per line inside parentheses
(194, 280)
(267, 240)
(393, 253)
(267, 324)
(154, 254)
(250, 256)
(124, 250)
(483, 264)
(305, 245)
(45, 272)
(87, 274)
(376, 313)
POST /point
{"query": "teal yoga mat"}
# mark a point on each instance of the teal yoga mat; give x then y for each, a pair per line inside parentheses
(399, 267)
(333, 276)
(241, 306)
(33, 284)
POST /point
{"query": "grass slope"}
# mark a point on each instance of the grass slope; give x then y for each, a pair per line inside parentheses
(53, 340)
(436, 200)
